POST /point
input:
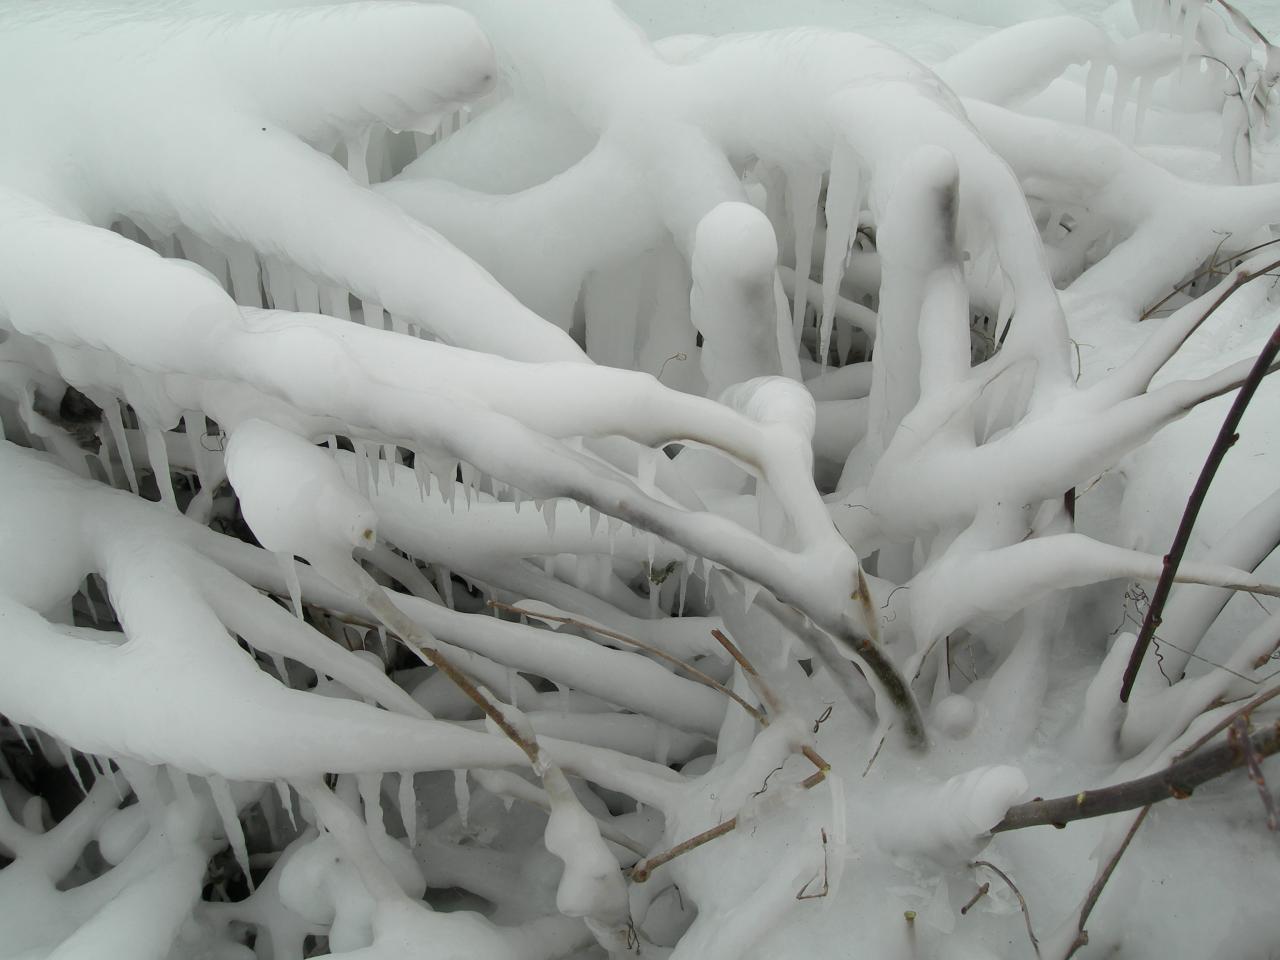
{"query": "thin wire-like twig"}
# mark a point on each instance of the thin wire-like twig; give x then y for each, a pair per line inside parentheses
(1226, 438)
(1095, 891)
(1022, 902)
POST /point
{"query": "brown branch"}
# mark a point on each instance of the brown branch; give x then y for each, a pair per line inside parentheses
(753, 676)
(1178, 781)
(644, 869)
(1095, 891)
(661, 654)
(1239, 734)
(1226, 438)
(1022, 901)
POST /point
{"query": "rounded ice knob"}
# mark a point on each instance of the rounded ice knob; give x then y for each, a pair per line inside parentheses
(294, 496)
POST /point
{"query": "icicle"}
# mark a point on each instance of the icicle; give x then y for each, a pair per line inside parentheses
(370, 785)
(22, 735)
(655, 591)
(286, 801)
(684, 589)
(661, 743)
(384, 641)
(804, 188)
(513, 682)
(181, 784)
(470, 477)
(422, 475)
(593, 519)
(408, 807)
(279, 283)
(372, 315)
(289, 568)
(393, 461)
(844, 205)
(549, 517)
(516, 499)
(462, 794)
(1190, 27)
(549, 564)
(88, 599)
(231, 824)
(70, 757)
(444, 583)
(334, 302)
(750, 590)
(282, 671)
(194, 426)
(361, 450)
(306, 292)
(358, 157)
(1145, 86)
(158, 454)
(246, 288)
(1124, 86)
(111, 410)
(1093, 85)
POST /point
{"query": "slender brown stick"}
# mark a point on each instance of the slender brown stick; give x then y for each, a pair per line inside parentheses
(981, 892)
(1095, 891)
(1176, 781)
(688, 668)
(1226, 721)
(1253, 764)
(644, 869)
(753, 675)
(1226, 438)
(1022, 902)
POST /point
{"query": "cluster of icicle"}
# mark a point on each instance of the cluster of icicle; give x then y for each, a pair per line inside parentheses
(511, 306)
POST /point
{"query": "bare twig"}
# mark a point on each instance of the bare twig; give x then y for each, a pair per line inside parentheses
(1022, 902)
(753, 676)
(981, 892)
(1095, 891)
(1226, 438)
(1217, 728)
(688, 668)
(644, 869)
(1239, 734)
(803, 893)
(1176, 781)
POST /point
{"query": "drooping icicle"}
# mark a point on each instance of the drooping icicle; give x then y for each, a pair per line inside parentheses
(1124, 87)
(844, 204)
(1145, 87)
(1093, 85)
(422, 475)
(181, 783)
(462, 795)
(334, 302)
(286, 801)
(278, 278)
(408, 807)
(593, 519)
(444, 583)
(194, 427)
(158, 454)
(373, 316)
(358, 156)
(69, 755)
(289, 569)
(549, 517)
(750, 590)
(22, 735)
(803, 190)
(370, 786)
(111, 410)
(226, 807)
(306, 292)
(683, 593)
(246, 288)
(470, 476)
(389, 455)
